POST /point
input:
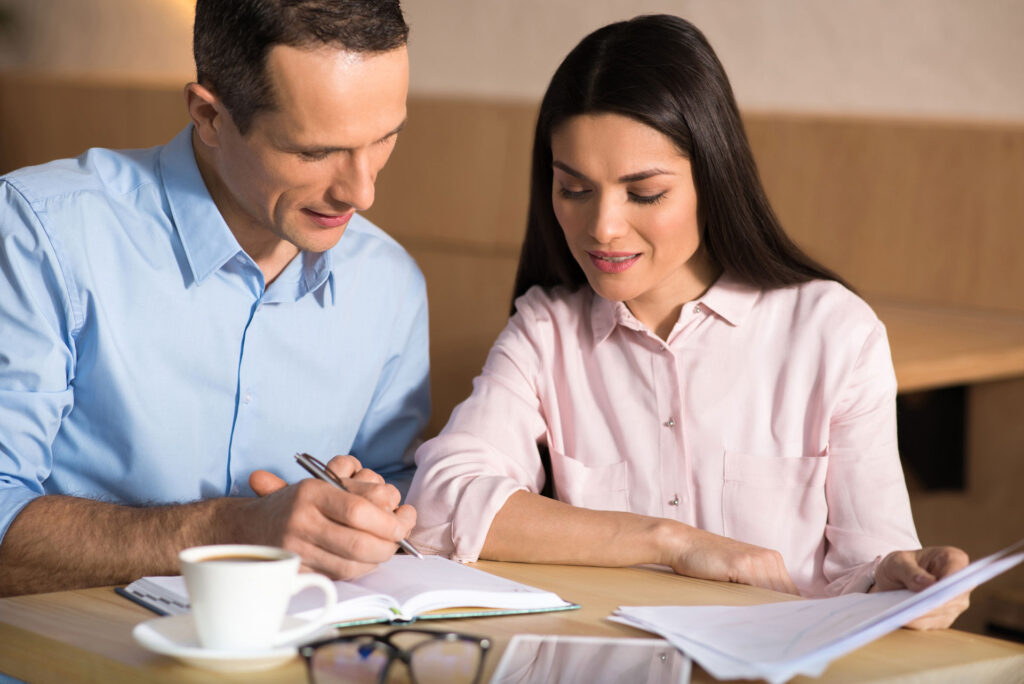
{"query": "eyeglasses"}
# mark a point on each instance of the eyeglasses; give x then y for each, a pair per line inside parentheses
(429, 656)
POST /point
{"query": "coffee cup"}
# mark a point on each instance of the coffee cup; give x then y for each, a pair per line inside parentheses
(239, 594)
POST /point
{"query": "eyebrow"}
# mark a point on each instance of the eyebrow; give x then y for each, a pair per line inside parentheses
(628, 178)
(313, 148)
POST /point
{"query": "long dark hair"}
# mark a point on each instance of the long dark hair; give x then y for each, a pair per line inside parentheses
(661, 71)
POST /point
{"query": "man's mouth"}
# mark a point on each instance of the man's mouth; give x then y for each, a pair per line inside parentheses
(328, 220)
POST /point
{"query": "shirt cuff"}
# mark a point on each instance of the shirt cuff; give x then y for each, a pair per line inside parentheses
(480, 502)
(14, 499)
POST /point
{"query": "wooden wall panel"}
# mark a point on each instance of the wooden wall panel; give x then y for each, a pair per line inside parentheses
(916, 210)
(459, 175)
(469, 297)
(44, 118)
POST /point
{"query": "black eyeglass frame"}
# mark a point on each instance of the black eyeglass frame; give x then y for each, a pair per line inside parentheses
(396, 653)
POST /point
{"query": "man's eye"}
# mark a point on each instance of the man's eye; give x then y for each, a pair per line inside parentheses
(312, 156)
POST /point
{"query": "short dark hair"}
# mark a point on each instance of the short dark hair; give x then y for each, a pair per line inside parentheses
(660, 70)
(231, 39)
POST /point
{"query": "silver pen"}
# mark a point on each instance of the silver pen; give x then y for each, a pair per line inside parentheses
(317, 469)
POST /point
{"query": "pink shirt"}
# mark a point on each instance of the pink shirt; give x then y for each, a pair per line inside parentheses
(767, 416)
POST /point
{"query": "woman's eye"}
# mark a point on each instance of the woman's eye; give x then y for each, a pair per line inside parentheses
(572, 194)
(646, 199)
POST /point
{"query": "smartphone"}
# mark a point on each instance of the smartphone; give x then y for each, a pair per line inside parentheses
(535, 658)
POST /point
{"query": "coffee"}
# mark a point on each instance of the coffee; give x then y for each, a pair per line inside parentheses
(239, 559)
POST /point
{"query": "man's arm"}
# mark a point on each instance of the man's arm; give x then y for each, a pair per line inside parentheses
(398, 413)
(62, 542)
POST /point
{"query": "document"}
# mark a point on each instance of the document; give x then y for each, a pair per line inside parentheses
(778, 641)
(401, 590)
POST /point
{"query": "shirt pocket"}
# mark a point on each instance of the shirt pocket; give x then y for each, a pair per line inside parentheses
(600, 486)
(777, 502)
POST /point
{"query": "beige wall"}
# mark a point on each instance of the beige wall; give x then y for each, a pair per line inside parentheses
(939, 58)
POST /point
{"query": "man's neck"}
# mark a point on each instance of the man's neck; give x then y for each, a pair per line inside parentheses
(270, 252)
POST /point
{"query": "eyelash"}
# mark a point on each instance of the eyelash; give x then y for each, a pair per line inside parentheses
(633, 197)
(320, 156)
(646, 199)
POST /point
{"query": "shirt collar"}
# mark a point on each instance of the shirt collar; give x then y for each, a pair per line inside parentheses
(731, 299)
(205, 236)
(728, 298)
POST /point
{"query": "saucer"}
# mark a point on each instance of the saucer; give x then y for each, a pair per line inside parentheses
(175, 636)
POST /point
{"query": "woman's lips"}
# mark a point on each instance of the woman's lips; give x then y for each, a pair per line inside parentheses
(613, 262)
(328, 220)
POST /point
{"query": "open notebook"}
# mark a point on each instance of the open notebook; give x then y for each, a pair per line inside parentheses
(403, 589)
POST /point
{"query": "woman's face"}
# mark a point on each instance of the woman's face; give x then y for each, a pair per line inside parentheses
(623, 194)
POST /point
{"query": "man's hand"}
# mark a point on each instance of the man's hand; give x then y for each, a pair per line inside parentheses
(711, 556)
(340, 534)
(916, 570)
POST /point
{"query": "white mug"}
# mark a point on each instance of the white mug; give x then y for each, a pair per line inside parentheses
(239, 594)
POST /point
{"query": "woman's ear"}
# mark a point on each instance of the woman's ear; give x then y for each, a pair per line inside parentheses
(206, 111)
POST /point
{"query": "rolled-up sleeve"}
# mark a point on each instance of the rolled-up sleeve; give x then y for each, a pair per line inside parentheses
(487, 451)
(36, 353)
(868, 506)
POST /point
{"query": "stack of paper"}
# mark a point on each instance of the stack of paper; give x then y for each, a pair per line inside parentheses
(778, 641)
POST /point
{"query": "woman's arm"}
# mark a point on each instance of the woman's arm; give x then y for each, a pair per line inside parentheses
(869, 508)
(532, 528)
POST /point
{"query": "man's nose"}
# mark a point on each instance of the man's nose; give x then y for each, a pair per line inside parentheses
(353, 183)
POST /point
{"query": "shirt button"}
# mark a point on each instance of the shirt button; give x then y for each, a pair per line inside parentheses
(674, 501)
(696, 309)
(240, 258)
(247, 398)
(670, 423)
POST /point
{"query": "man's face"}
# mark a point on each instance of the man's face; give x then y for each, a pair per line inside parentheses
(305, 166)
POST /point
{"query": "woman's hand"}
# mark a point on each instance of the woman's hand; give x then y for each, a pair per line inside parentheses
(709, 556)
(916, 570)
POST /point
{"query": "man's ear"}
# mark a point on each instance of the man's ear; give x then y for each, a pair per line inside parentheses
(207, 113)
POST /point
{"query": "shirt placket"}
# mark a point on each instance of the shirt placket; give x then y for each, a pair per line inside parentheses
(674, 494)
(248, 392)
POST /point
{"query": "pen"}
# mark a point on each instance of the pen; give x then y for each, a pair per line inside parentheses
(318, 470)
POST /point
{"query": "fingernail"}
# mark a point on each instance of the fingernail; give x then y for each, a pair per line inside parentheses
(920, 579)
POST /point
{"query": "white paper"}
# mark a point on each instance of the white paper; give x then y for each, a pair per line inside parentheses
(778, 641)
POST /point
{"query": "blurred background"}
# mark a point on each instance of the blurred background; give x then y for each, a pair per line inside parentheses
(889, 133)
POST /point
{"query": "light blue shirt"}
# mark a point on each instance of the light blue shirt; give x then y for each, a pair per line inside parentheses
(143, 361)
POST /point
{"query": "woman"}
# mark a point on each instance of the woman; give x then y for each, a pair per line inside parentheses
(708, 397)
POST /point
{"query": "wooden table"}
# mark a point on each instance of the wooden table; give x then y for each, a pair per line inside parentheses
(85, 636)
(941, 346)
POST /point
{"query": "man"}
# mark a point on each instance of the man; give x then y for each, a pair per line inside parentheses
(176, 323)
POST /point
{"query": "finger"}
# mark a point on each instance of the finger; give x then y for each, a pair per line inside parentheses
(386, 496)
(900, 569)
(367, 475)
(344, 465)
(941, 561)
(316, 559)
(406, 515)
(263, 482)
(781, 581)
(351, 509)
(943, 616)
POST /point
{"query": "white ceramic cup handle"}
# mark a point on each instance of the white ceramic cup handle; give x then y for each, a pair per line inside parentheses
(316, 623)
